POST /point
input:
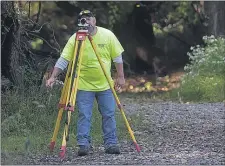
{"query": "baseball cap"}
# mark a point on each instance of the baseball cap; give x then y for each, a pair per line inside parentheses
(85, 13)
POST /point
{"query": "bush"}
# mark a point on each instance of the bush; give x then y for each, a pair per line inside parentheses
(203, 88)
(205, 75)
(208, 60)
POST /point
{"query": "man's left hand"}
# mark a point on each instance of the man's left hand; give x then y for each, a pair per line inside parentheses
(119, 84)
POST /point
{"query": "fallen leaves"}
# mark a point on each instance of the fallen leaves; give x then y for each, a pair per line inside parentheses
(139, 83)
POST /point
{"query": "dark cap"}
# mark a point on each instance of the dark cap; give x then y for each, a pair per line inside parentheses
(85, 13)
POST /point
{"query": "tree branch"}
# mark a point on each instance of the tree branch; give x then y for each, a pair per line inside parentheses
(29, 10)
(38, 15)
(45, 41)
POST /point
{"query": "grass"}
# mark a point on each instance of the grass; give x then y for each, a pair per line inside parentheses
(39, 139)
(32, 116)
(200, 89)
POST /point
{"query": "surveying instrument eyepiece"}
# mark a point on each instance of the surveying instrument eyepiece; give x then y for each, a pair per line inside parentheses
(82, 22)
(70, 88)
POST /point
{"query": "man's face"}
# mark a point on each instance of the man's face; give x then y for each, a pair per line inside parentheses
(91, 21)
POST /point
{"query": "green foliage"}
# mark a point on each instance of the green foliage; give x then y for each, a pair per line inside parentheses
(201, 88)
(25, 112)
(183, 10)
(30, 8)
(109, 13)
(117, 12)
(204, 78)
(113, 13)
(36, 44)
(174, 16)
(31, 77)
(208, 60)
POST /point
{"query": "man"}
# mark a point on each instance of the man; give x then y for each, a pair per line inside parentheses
(93, 83)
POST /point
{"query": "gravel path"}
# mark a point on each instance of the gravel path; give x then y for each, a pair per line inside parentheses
(170, 133)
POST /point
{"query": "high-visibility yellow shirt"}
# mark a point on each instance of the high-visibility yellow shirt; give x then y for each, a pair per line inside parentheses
(108, 47)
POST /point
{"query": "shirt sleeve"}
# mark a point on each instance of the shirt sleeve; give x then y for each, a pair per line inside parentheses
(61, 63)
(118, 59)
(68, 50)
(115, 46)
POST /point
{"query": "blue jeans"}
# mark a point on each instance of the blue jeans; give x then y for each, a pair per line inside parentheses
(106, 107)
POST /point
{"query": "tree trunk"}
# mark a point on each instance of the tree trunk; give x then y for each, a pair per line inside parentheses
(215, 10)
(10, 43)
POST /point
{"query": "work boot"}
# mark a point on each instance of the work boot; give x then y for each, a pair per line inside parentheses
(83, 150)
(112, 149)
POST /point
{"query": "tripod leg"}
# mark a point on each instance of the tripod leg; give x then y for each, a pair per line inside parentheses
(115, 96)
(63, 99)
(72, 75)
(65, 134)
(72, 99)
(59, 117)
(74, 91)
(57, 125)
(64, 96)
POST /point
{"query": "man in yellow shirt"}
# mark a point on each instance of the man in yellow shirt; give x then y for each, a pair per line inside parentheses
(93, 83)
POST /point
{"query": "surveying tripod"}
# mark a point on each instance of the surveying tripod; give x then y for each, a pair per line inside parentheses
(69, 91)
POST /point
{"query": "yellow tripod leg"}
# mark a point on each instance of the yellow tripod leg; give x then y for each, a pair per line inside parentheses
(74, 92)
(73, 70)
(62, 102)
(71, 103)
(115, 96)
(65, 134)
(59, 117)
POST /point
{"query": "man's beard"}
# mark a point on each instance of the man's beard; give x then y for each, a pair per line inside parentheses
(90, 28)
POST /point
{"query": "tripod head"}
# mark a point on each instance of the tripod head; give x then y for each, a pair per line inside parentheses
(82, 23)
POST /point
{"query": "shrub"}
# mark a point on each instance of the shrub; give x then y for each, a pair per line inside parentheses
(205, 74)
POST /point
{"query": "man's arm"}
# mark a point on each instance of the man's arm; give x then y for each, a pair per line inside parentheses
(63, 61)
(60, 65)
(119, 69)
(56, 72)
(120, 81)
(116, 51)
(119, 65)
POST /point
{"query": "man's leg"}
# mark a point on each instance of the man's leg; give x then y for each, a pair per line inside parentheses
(107, 106)
(85, 102)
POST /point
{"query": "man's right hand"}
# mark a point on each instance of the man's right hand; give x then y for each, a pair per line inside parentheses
(50, 82)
